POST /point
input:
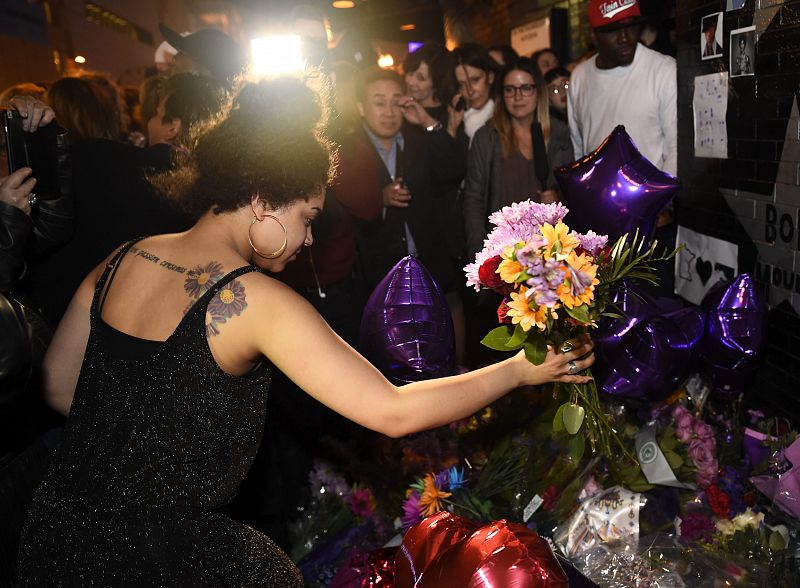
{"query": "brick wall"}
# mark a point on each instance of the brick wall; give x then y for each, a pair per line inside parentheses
(753, 197)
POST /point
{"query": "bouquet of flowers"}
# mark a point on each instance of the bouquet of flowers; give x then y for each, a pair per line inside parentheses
(556, 283)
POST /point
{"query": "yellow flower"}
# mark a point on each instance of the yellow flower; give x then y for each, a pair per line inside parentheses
(578, 287)
(522, 314)
(431, 497)
(509, 270)
(559, 241)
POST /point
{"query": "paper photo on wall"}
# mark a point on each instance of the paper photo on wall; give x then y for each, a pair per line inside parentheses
(735, 4)
(702, 263)
(711, 36)
(743, 52)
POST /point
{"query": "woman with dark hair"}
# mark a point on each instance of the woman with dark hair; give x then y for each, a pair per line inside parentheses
(545, 60)
(557, 81)
(163, 362)
(425, 72)
(84, 109)
(513, 157)
(476, 74)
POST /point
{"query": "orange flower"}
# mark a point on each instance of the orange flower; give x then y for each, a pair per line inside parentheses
(578, 288)
(509, 269)
(430, 501)
(522, 314)
(560, 242)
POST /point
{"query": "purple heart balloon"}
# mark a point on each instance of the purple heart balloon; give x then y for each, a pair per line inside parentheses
(615, 190)
(654, 357)
(736, 331)
(406, 330)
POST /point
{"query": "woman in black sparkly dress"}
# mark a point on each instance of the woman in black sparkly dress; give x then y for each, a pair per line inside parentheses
(162, 363)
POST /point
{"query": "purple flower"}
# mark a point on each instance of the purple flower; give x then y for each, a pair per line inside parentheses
(411, 511)
(592, 242)
(323, 479)
(697, 526)
(199, 279)
(702, 430)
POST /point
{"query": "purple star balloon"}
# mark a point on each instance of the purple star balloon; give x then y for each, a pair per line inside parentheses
(736, 331)
(406, 330)
(634, 306)
(615, 190)
(654, 357)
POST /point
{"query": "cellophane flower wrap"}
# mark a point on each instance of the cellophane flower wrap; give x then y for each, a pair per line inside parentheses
(555, 284)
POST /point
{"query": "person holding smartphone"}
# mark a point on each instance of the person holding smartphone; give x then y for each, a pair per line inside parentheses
(25, 215)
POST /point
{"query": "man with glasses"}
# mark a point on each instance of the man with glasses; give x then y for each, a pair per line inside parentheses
(624, 84)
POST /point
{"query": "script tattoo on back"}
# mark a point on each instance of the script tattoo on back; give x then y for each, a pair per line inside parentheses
(146, 255)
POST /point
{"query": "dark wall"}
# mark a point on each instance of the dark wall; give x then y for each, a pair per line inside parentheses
(753, 197)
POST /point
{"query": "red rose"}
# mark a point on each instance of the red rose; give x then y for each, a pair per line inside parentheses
(502, 314)
(488, 275)
(718, 501)
(550, 497)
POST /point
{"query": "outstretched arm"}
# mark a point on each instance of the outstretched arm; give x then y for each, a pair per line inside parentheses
(298, 341)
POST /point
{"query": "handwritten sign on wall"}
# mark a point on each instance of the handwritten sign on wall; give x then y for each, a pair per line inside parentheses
(710, 108)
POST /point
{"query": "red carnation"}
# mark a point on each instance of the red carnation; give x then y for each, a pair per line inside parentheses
(718, 501)
(488, 275)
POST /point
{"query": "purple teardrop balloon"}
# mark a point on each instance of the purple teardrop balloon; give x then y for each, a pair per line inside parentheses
(406, 330)
(654, 357)
(615, 190)
(736, 330)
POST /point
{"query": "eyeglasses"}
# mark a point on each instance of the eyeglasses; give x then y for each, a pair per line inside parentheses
(560, 87)
(525, 90)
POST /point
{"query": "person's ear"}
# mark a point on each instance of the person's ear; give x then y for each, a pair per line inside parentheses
(258, 206)
(490, 77)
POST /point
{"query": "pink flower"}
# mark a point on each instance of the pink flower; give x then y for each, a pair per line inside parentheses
(361, 503)
(684, 424)
(703, 430)
(703, 453)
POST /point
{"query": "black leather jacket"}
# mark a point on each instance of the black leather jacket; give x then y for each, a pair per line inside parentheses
(49, 225)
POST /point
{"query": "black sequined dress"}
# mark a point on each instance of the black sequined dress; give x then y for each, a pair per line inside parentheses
(158, 439)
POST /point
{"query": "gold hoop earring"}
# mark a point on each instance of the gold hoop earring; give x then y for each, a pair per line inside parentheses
(279, 251)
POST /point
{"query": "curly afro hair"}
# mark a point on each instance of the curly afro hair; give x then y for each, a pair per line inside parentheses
(268, 141)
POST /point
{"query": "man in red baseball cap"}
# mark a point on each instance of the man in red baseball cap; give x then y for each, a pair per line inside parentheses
(624, 84)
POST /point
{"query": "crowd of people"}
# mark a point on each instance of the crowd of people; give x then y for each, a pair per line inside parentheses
(165, 389)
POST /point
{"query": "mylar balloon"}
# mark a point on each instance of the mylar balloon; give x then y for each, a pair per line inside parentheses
(736, 331)
(632, 305)
(654, 357)
(406, 330)
(497, 554)
(615, 190)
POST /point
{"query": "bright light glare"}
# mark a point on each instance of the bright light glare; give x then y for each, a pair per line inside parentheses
(80, 59)
(276, 54)
(385, 61)
(408, 27)
(343, 3)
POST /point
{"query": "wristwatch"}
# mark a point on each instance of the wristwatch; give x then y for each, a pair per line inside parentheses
(437, 126)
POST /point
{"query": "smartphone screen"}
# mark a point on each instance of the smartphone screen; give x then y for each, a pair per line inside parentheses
(16, 148)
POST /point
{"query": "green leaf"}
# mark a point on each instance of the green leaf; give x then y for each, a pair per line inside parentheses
(579, 313)
(517, 339)
(558, 420)
(536, 348)
(497, 339)
(573, 418)
(577, 446)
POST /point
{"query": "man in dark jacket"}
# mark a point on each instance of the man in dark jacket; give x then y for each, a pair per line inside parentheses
(415, 166)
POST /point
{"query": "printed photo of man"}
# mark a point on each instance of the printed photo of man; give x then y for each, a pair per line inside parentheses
(743, 52)
(711, 36)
